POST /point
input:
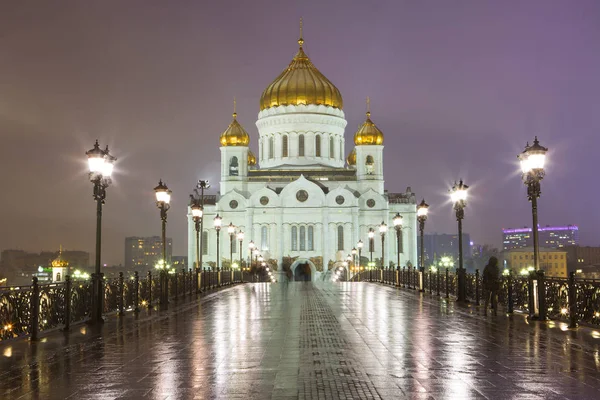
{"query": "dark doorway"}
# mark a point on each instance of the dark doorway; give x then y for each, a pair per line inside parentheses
(302, 273)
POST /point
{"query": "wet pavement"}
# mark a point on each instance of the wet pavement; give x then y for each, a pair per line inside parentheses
(308, 341)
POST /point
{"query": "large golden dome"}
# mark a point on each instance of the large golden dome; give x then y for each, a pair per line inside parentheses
(235, 135)
(368, 133)
(301, 83)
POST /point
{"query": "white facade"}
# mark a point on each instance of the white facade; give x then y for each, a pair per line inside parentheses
(302, 200)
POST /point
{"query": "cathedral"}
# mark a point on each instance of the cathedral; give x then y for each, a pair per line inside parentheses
(302, 203)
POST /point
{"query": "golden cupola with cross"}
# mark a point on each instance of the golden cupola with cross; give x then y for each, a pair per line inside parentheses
(368, 133)
(235, 134)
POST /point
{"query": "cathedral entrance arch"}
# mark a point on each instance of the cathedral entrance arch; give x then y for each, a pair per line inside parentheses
(303, 270)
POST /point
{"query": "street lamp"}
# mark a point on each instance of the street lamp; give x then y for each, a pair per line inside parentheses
(458, 195)
(354, 251)
(197, 212)
(217, 223)
(101, 165)
(359, 245)
(371, 248)
(202, 185)
(231, 232)
(532, 161)
(251, 247)
(163, 200)
(421, 218)
(240, 237)
(398, 227)
(382, 231)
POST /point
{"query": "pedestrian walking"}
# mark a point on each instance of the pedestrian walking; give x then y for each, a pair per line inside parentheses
(491, 285)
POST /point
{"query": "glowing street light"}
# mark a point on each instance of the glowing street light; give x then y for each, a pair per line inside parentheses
(240, 238)
(458, 194)
(101, 165)
(163, 202)
(197, 213)
(421, 218)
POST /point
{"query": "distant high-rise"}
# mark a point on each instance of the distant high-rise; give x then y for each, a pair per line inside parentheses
(144, 252)
(553, 237)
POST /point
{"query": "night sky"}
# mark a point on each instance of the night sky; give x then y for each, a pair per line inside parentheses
(457, 87)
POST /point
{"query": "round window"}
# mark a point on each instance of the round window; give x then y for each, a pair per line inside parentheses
(233, 204)
(302, 195)
(370, 203)
(264, 200)
(339, 200)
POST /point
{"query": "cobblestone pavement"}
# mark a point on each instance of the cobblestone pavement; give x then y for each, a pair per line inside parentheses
(308, 341)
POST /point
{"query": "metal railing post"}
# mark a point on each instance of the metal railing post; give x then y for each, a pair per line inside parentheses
(477, 288)
(121, 299)
(35, 309)
(136, 292)
(447, 283)
(68, 289)
(572, 301)
(149, 289)
(541, 286)
(510, 300)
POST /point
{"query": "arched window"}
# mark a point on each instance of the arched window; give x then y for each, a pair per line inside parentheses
(370, 165)
(271, 147)
(294, 238)
(233, 166)
(340, 237)
(302, 238)
(310, 245)
(331, 151)
(301, 145)
(205, 242)
(318, 145)
(264, 239)
(284, 146)
(58, 277)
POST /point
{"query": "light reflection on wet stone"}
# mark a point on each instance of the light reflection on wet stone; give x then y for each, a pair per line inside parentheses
(305, 341)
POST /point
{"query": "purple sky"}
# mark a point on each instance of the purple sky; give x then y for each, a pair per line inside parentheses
(457, 90)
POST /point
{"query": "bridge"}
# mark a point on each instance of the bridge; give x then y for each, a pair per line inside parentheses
(305, 340)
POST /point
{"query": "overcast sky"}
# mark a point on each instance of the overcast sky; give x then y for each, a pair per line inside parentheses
(457, 87)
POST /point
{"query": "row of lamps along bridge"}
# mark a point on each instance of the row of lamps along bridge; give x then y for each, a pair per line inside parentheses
(101, 165)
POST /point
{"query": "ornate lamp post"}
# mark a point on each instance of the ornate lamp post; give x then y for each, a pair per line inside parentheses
(421, 218)
(458, 194)
(218, 222)
(197, 212)
(371, 248)
(382, 231)
(359, 245)
(163, 200)
(354, 265)
(240, 238)
(398, 227)
(202, 185)
(251, 247)
(533, 160)
(101, 165)
(231, 232)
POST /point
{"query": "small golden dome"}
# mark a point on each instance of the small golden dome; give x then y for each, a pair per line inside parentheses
(301, 83)
(251, 158)
(235, 135)
(368, 133)
(351, 159)
(59, 262)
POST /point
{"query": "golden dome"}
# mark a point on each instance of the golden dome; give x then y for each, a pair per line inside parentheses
(59, 262)
(301, 83)
(351, 159)
(368, 133)
(235, 135)
(251, 158)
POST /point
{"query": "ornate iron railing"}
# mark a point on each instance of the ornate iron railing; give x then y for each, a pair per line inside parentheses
(574, 300)
(28, 310)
